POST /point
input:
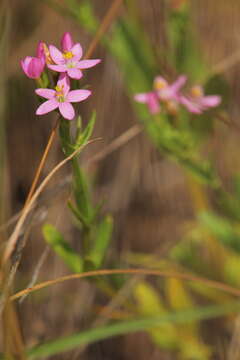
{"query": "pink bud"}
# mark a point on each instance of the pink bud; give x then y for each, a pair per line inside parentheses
(40, 50)
(33, 67)
(67, 42)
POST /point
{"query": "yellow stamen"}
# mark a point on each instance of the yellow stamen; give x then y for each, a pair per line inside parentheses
(68, 55)
(47, 54)
(197, 91)
(160, 84)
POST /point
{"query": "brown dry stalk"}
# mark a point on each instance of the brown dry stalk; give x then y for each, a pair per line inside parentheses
(114, 145)
(14, 237)
(42, 162)
(188, 277)
(108, 18)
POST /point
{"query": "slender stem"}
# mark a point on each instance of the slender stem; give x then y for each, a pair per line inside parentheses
(42, 163)
(103, 272)
(103, 27)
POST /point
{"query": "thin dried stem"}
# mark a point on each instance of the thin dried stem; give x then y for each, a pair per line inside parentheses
(42, 162)
(211, 283)
(116, 144)
(108, 18)
(14, 237)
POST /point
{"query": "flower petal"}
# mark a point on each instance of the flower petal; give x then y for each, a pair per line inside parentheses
(77, 52)
(58, 68)
(74, 73)
(56, 55)
(25, 62)
(46, 93)
(191, 106)
(179, 83)
(66, 110)
(47, 106)
(35, 68)
(78, 95)
(64, 82)
(66, 42)
(153, 103)
(142, 97)
(210, 101)
(86, 64)
(40, 50)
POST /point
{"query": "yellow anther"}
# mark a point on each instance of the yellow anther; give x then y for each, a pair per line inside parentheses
(160, 83)
(47, 54)
(68, 55)
(197, 91)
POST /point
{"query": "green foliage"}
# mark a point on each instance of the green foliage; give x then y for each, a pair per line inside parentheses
(184, 53)
(222, 229)
(95, 232)
(129, 326)
(103, 233)
(55, 239)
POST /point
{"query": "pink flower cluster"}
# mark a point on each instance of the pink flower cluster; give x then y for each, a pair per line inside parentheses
(68, 63)
(170, 95)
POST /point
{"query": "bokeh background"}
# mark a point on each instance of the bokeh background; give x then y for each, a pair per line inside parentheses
(147, 194)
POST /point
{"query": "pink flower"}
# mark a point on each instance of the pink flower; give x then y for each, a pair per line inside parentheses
(61, 98)
(151, 99)
(69, 59)
(34, 66)
(162, 92)
(168, 92)
(196, 102)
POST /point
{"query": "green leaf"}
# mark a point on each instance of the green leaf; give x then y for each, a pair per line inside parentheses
(102, 238)
(149, 302)
(221, 228)
(55, 239)
(83, 137)
(84, 222)
(84, 14)
(185, 54)
(82, 194)
(90, 336)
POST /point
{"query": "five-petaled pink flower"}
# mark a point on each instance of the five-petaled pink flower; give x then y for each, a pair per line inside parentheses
(61, 98)
(34, 66)
(69, 59)
(196, 102)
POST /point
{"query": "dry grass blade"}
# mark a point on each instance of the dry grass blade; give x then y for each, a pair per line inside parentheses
(103, 27)
(188, 277)
(116, 144)
(14, 237)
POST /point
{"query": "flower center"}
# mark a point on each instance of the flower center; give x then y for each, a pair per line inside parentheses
(71, 65)
(59, 93)
(197, 91)
(160, 84)
(68, 55)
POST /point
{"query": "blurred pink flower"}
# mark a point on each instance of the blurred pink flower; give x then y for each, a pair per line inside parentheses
(61, 98)
(196, 102)
(34, 66)
(151, 99)
(168, 92)
(162, 92)
(69, 59)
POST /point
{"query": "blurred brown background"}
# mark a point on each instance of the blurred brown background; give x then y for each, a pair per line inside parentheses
(146, 194)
